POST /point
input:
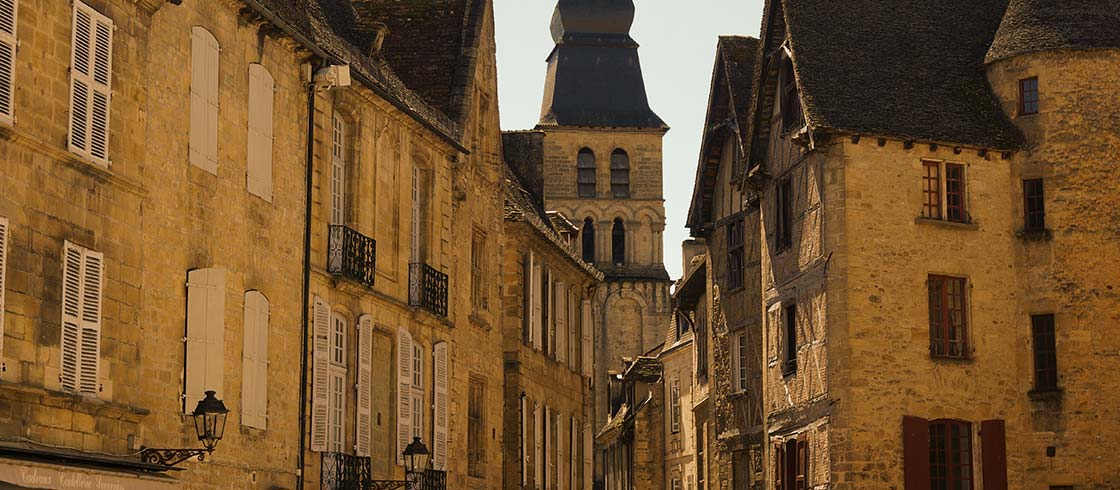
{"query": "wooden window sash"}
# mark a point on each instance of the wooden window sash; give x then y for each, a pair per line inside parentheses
(1034, 205)
(950, 453)
(955, 193)
(931, 189)
(1028, 96)
(1045, 353)
(948, 317)
(789, 330)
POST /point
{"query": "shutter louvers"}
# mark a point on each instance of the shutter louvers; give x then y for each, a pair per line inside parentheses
(588, 451)
(538, 438)
(9, 13)
(560, 473)
(71, 316)
(524, 442)
(802, 479)
(254, 372)
(442, 371)
(585, 328)
(205, 335)
(404, 392)
(365, 386)
(90, 83)
(535, 329)
(320, 377)
(93, 266)
(561, 323)
(994, 454)
(3, 267)
(915, 453)
(259, 157)
(205, 52)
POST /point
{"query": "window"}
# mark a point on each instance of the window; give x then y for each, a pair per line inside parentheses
(476, 450)
(337, 402)
(404, 391)
(1034, 207)
(675, 405)
(588, 238)
(618, 242)
(620, 174)
(701, 340)
(90, 84)
(480, 297)
(417, 225)
(363, 417)
(441, 367)
(338, 171)
(739, 363)
(789, 330)
(254, 371)
(792, 117)
(9, 10)
(675, 484)
(784, 223)
(1045, 353)
(735, 255)
(1028, 96)
(950, 455)
(204, 100)
(3, 265)
(944, 198)
(585, 177)
(82, 289)
(948, 325)
(417, 391)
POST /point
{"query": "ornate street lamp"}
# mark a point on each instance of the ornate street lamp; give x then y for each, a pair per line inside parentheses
(209, 424)
(415, 456)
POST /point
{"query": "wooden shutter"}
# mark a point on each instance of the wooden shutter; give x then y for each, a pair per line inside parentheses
(320, 376)
(535, 329)
(254, 370)
(259, 157)
(404, 392)
(588, 451)
(779, 466)
(573, 447)
(205, 335)
(71, 315)
(560, 473)
(364, 426)
(9, 13)
(524, 442)
(538, 438)
(442, 371)
(561, 323)
(82, 290)
(204, 100)
(801, 482)
(90, 83)
(993, 454)
(3, 267)
(587, 354)
(915, 453)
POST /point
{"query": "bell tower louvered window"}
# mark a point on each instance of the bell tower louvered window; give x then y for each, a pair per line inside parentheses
(8, 14)
(585, 163)
(620, 174)
(588, 241)
(91, 68)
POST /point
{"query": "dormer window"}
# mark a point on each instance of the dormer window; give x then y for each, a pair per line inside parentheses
(792, 117)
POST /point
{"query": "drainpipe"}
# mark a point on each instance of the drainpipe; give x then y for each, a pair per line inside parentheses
(306, 278)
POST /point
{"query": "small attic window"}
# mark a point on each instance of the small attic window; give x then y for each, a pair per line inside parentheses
(792, 117)
(1028, 96)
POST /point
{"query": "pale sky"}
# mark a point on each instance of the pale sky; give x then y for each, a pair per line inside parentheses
(678, 41)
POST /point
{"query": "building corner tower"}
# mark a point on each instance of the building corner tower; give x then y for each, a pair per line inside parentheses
(602, 169)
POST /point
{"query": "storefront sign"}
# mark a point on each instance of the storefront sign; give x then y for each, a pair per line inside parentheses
(35, 475)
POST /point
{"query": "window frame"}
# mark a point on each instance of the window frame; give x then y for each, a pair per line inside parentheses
(790, 97)
(675, 405)
(1034, 205)
(476, 428)
(586, 168)
(338, 374)
(783, 239)
(620, 174)
(1030, 100)
(940, 309)
(1044, 353)
(618, 242)
(417, 403)
(789, 338)
(339, 164)
(735, 255)
(945, 191)
(480, 293)
(951, 474)
(739, 363)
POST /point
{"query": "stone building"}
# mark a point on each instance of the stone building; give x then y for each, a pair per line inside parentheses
(601, 166)
(934, 254)
(722, 293)
(631, 441)
(546, 336)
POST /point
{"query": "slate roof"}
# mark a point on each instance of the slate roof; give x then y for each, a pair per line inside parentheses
(911, 69)
(318, 25)
(1040, 25)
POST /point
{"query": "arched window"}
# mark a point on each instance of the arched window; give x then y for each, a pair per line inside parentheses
(589, 241)
(792, 117)
(618, 242)
(585, 163)
(620, 174)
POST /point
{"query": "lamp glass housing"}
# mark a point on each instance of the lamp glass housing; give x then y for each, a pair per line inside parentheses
(416, 456)
(210, 420)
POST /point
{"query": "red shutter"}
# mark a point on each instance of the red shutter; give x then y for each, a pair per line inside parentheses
(779, 466)
(802, 480)
(994, 454)
(915, 452)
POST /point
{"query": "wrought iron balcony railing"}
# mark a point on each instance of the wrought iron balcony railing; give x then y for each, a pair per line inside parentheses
(351, 254)
(346, 472)
(431, 480)
(427, 288)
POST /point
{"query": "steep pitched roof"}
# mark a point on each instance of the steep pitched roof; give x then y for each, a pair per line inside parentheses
(729, 105)
(1040, 25)
(913, 69)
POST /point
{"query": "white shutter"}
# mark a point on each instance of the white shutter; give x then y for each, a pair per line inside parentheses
(9, 13)
(550, 438)
(560, 473)
(404, 392)
(538, 431)
(93, 267)
(320, 377)
(338, 171)
(587, 452)
(91, 70)
(205, 335)
(585, 328)
(261, 100)
(254, 371)
(3, 266)
(524, 442)
(573, 430)
(536, 319)
(204, 100)
(365, 385)
(561, 323)
(71, 315)
(442, 370)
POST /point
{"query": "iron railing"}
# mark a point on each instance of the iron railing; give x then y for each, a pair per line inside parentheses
(351, 254)
(346, 472)
(431, 480)
(427, 288)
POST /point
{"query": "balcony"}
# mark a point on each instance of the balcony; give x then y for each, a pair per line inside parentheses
(346, 472)
(431, 480)
(351, 254)
(427, 288)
